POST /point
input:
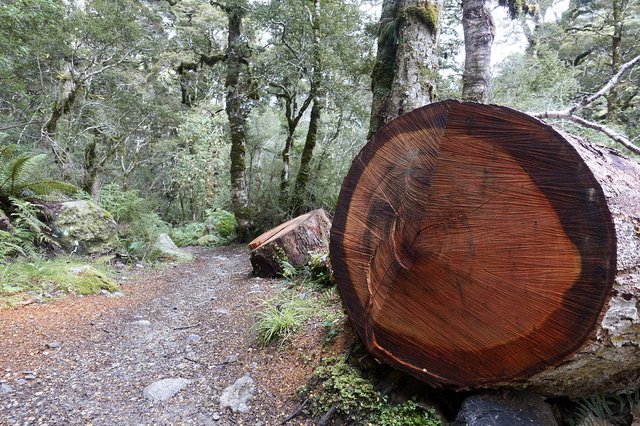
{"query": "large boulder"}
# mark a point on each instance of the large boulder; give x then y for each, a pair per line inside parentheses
(85, 228)
(165, 248)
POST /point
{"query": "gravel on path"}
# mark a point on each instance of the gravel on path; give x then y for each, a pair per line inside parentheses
(88, 360)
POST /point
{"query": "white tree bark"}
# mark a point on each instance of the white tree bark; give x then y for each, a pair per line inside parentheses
(478, 41)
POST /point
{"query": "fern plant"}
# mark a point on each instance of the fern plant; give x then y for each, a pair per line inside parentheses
(21, 177)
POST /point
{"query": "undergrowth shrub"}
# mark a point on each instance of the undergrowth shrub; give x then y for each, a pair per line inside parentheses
(217, 229)
(138, 225)
(23, 231)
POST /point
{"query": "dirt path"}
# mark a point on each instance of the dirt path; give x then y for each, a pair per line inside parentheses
(188, 321)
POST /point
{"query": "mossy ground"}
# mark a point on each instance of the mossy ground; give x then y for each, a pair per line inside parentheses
(50, 278)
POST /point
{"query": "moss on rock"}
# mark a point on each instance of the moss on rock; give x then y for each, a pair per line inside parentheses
(85, 228)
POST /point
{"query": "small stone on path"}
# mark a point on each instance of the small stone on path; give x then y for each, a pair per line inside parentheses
(216, 416)
(5, 388)
(238, 394)
(53, 345)
(230, 359)
(193, 338)
(142, 323)
(164, 389)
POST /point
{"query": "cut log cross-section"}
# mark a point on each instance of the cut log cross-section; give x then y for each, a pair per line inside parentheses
(474, 245)
(294, 241)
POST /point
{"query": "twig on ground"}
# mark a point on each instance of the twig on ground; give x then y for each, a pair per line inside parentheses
(296, 413)
(326, 418)
(186, 327)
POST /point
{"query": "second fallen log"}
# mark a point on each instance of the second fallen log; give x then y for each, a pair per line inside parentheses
(294, 241)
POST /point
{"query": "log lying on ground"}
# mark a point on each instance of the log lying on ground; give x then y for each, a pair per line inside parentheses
(475, 246)
(294, 241)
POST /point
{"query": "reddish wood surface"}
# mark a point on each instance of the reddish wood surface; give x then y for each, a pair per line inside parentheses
(471, 245)
(294, 241)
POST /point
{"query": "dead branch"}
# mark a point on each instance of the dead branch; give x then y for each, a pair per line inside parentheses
(568, 114)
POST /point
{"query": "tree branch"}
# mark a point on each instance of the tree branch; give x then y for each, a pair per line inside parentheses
(587, 100)
(621, 139)
(568, 114)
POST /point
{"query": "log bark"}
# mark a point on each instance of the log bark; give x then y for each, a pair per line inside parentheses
(294, 241)
(475, 246)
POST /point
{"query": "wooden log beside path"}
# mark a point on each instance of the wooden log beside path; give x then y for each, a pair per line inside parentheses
(294, 241)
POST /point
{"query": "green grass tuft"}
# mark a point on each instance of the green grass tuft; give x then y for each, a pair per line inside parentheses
(282, 317)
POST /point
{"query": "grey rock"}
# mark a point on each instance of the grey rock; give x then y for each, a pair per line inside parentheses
(30, 377)
(193, 338)
(53, 345)
(142, 323)
(216, 416)
(21, 381)
(230, 359)
(5, 388)
(164, 389)
(238, 394)
(85, 228)
(509, 408)
(164, 247)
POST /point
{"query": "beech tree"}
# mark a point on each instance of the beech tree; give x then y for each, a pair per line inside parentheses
(406, 64)
(478, 40)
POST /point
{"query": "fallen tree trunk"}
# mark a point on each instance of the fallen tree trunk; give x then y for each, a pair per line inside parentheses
(475, 246)
(295, 242)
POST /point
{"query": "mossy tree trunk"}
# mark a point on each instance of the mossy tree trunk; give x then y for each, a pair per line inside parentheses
(404, 73)
(478, 40)
(68, 92)
(237, 110)
(302, 179)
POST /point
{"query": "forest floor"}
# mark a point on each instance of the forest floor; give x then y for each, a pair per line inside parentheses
(87, 360)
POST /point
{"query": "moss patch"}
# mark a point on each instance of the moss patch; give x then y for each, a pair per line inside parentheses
(46, 279)
(426, 13)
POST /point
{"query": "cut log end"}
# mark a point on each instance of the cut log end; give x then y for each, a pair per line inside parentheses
(472, 245)
(294, 241)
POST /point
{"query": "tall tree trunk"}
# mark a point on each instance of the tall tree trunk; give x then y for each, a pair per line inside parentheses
(237, 112)
(302, 179)
(404, 72)
(67, 93)
(478, 40)
(613, 104)
(91, 167)
(293, 116)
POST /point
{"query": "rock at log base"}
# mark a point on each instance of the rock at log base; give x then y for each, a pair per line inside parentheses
(294, 241)
(475, 246)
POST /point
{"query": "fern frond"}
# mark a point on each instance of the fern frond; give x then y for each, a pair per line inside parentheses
(28, 167)
(10, 245)
(11, 172)
(7, 151)
(26, 216)
(45, 187)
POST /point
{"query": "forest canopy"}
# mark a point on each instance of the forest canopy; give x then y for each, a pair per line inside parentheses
(258, 107)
